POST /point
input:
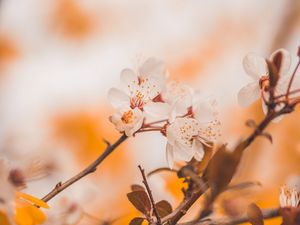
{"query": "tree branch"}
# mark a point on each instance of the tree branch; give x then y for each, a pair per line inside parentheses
(150, 195)
(186, 204)
(267, 214)
(90, 169)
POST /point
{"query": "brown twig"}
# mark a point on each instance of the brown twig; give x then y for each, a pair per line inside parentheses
(90, 169)
(267, 214)
(292, 79)
(150, 195)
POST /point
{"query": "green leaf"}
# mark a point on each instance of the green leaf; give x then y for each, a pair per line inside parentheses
(164, 208)
(137, 221)
(140, 201)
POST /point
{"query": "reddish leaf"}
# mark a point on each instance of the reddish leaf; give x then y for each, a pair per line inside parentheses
(255, 215)
(273, 73)
(222, 168)
(290, 215)
(137, 221)
(277, 60)
(268, 136)
(164, 208)
(251, 123)
(136, 187)
(140, 201)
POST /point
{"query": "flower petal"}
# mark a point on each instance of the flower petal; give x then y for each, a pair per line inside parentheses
(198, 149)
(255, 66)
(118, 98)
(249, 94)
(169, 155)
(157, 109)
(285, 63)
(129, 80)
(153, 67)
(204, 111)
(181, 152)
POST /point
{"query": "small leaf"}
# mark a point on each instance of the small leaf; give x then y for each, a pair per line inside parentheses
(164, 208)
(277, 60)
(255, 215)
(200, 166)
(273, 74)
(251, 124)
(137, 221)
(141, 201)
(268, 136)
(137, 187)
(222, 168)
(290, 215)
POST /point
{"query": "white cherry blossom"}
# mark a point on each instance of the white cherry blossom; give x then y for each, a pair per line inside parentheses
(204, 110)
(183, 141)
(127, 120)
(141, 87)
(256, 67)
(288, 197)
(179, 96)
(186, 139)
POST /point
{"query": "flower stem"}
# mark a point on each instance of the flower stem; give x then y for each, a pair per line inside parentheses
(90, 169)
(292, 79)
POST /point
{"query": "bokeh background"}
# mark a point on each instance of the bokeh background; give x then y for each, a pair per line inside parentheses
(58, 58)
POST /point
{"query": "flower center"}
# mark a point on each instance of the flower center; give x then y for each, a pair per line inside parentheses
(137, 100)
(264, 83)
(127, 117)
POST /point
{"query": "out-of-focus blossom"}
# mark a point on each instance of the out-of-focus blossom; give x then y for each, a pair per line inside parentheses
(18, 208)
(128, 120)
(65, 212)
(288, 197)
(256, 67)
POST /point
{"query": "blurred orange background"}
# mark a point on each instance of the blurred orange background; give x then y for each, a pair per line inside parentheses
(58, 58)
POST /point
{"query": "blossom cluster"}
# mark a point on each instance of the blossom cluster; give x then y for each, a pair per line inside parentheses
(148, 101)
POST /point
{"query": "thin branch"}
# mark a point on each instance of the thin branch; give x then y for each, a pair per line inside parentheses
(267, 214)
(90, 169)
(161, 169)
(292, 79)
(202, 185)
(150, 195)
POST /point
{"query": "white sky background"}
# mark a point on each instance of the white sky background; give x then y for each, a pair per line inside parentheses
(55, 74)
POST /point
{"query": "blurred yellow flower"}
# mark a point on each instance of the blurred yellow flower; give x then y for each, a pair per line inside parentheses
(27, 210)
